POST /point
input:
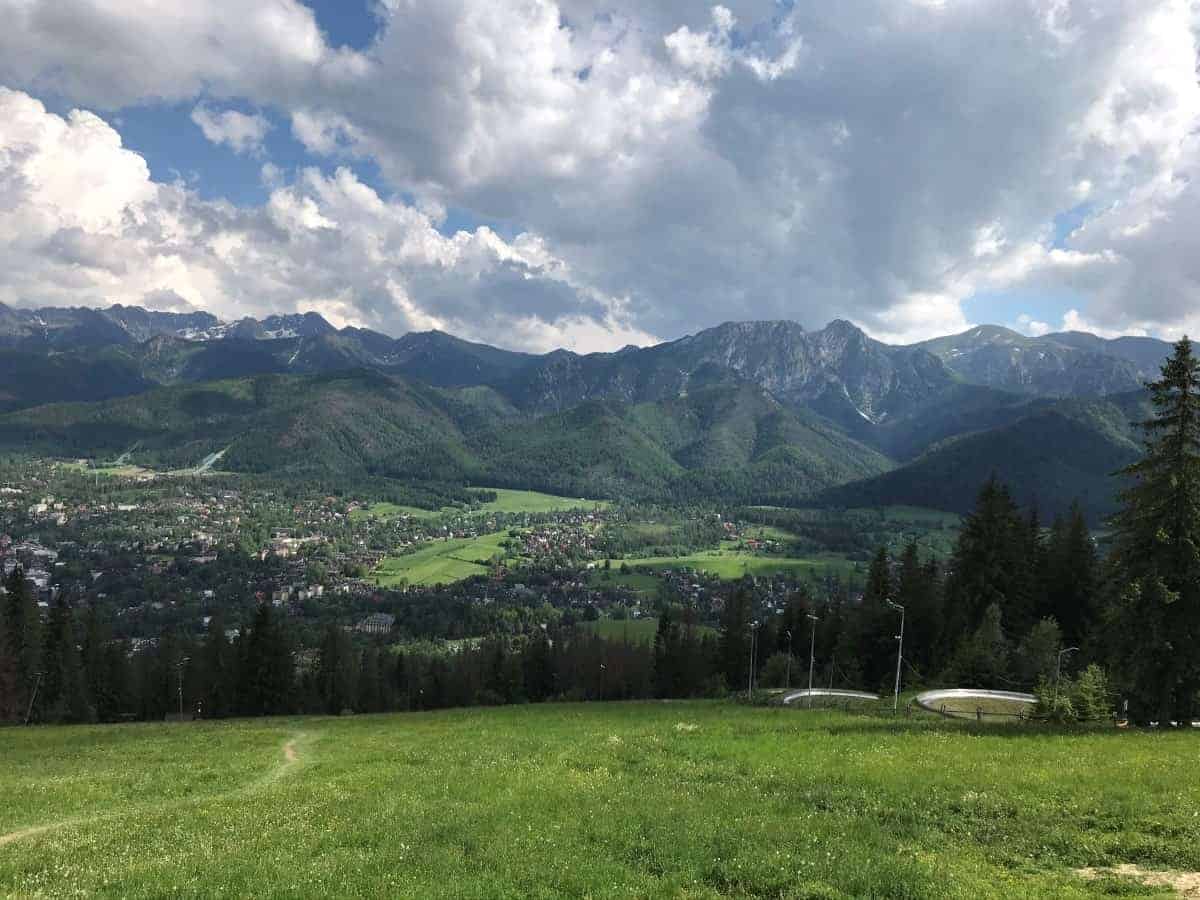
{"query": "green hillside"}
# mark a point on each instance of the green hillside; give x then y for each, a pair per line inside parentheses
(682, 799)
(733, 443)
(1058, 453)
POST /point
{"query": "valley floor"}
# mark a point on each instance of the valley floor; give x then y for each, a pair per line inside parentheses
(696, 799)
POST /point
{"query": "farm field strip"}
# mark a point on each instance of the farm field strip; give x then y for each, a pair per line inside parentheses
(730, 564)
(442, 561)
(507, 501)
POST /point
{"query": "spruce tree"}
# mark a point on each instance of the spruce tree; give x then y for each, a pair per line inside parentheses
(1072, 581)
(95, 669)
(981, 659)
(337, 671)
(878, 622)
(735, 637)
(9, 703)
(667, 662)
(370, 682)
(989, 565)
(1157, 552)
(65, 696)
(24, 637)
(217, 670)
(918, 590)
(267, 670)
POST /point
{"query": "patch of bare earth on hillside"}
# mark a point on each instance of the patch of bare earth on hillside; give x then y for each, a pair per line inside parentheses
(1185, 884)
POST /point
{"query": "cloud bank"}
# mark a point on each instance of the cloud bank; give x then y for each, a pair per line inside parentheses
(664, 166)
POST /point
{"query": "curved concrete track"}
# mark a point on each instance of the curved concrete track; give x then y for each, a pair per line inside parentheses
(933, 700)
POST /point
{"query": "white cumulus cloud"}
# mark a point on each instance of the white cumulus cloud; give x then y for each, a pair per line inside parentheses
(243, 133)
(82, 222)
(880, 161)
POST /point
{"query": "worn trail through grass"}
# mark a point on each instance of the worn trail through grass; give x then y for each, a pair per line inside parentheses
(291, 760)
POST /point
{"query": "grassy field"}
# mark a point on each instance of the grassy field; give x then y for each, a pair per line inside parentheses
(649, 800)
(535, 502)
(392, 510)
(614, 577)
(637, 631)
(728, 564)
(441, 562)
(508, 501)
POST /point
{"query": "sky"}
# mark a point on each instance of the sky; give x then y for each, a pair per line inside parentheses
(595, 173)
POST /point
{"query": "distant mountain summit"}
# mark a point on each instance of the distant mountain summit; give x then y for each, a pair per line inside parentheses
(763, 412)
(838, 367)
(1071, 364)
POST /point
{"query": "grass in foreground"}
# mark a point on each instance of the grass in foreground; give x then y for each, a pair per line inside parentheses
(616, 800)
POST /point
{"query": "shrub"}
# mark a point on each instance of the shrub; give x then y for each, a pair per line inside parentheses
(1054, 706)
(1091, 696)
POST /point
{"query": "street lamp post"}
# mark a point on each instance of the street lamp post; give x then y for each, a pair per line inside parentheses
(179, 669)
(753, 639)
(33, 697)
(787, 678)
(812, 656)
(899, 653)
(1058, 671)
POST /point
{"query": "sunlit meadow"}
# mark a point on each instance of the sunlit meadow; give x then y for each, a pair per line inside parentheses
(696, 799)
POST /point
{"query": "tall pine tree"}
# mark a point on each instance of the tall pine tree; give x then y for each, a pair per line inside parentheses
(990, 566)
(1072, 582)
(735, 637)
(1157, 552)
(65, 696)
(24, 638)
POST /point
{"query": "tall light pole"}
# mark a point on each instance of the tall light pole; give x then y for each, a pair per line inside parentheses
(899, 652)
(812, 656)
(787, 678)
(1058, 671)
(33, 697)
(179, 668)
(753, 638)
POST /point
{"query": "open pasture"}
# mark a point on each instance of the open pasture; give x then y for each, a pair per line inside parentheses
(696, 799)
(729, 563)
(507, 501)
(510, 501)
(441, 562)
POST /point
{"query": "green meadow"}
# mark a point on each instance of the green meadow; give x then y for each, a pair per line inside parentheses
(688, 799)
(441, 562)
(635, 631)
(729, 563)
(510, 501)
(507, 501)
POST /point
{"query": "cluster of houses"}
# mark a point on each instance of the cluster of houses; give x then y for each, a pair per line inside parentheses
(37, 563)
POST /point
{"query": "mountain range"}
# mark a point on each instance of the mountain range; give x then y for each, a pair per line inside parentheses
(755, 412)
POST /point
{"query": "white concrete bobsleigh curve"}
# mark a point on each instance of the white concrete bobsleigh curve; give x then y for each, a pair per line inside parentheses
(932, 700)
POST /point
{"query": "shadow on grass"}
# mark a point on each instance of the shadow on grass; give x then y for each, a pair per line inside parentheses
(875, 725)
